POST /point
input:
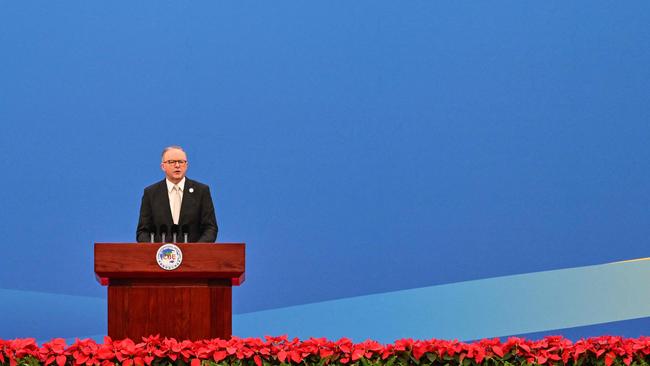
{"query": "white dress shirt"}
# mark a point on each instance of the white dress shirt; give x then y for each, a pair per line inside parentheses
(170, 192)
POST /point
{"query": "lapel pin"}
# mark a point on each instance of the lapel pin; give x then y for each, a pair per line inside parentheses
(191, 190)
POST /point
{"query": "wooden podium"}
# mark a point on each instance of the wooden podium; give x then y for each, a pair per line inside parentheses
(193, 301)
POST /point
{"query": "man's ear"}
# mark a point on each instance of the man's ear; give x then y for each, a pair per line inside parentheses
(162, 166)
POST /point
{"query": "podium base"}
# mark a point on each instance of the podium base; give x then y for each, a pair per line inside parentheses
(191, 309)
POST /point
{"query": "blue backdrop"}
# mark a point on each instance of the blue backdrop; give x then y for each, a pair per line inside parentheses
(357, 147)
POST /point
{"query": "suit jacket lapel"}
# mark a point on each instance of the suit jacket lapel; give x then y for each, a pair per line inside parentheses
(164, 200)
(188, 200)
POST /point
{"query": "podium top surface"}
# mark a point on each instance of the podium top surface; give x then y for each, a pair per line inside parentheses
(200, 261)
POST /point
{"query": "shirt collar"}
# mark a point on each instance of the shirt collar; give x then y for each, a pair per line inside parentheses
(180, 185)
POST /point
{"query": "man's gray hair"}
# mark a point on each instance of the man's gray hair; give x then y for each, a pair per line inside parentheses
(172, 147)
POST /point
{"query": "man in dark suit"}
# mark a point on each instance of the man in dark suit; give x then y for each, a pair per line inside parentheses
(177, 200)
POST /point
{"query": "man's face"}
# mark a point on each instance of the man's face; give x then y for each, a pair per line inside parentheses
(176, 170)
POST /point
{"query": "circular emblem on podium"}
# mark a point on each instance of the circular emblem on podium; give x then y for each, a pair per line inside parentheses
(169, 256)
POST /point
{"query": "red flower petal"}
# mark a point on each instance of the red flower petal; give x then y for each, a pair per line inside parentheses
(498, 351)
(60, 360)
(357, 354)
(296, 357)
(220, 355)
(282, 356)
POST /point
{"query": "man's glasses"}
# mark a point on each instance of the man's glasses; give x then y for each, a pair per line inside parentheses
(174, 162)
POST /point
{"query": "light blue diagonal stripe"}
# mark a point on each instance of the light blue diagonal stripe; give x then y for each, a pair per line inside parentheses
(470, 310)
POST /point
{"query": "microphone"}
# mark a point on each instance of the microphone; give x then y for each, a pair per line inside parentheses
(186, 231)
(163, 232)
(152, 233)
(174, 233)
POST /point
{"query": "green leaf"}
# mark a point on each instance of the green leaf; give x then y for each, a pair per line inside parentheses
(28, 361)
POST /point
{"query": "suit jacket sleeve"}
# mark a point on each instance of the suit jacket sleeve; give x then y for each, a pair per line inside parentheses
(145, 222)
(208, 224)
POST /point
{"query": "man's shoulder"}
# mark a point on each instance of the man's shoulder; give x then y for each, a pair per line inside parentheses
(190, 183)
(155, 186)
